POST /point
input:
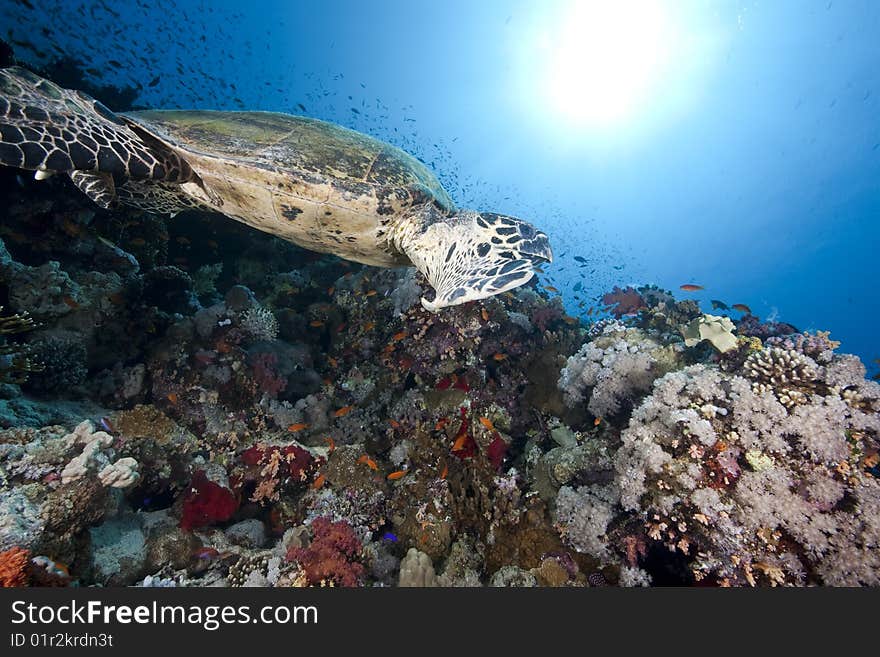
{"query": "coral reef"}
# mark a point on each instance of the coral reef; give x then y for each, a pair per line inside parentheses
(193, 403)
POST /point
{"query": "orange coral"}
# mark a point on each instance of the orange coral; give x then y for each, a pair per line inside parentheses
(13, 567)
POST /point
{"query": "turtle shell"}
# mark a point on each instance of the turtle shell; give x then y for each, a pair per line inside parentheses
(307, 148)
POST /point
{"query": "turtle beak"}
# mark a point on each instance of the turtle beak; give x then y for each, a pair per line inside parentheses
(538, 248)
(529, 241)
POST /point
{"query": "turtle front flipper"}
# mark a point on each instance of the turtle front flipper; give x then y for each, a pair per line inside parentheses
(475, 255)
(47, 129)
(100, 187)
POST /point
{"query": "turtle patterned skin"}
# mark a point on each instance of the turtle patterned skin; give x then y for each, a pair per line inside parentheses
(317, 184)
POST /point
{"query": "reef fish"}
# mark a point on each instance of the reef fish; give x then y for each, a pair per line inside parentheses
(342, 412)
(688, 287)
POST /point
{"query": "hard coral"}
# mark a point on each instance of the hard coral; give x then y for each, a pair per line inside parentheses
(333, 555)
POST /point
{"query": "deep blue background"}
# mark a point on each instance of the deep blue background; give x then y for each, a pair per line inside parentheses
(752, 167)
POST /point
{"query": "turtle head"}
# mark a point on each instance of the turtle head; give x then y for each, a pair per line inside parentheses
(474, 255)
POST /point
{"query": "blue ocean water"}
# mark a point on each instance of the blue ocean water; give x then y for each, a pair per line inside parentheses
(733, 145)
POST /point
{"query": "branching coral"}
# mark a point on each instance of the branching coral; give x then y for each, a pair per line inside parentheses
(260, 323)
(788, 373)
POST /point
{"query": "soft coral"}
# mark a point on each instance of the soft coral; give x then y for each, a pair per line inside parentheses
(206, 503)
(14, 567)
(332, 556)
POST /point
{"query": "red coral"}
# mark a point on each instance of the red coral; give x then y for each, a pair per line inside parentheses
(264, 366)
(301, 465)
(464, 446)
(544, 316)
(332, 556)
(454, 381)
(625, 301)
(496, 451)
(14, 567)
(636, 549)
(206, 503)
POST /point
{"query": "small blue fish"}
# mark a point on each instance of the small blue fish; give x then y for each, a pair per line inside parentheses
(106, 426)
(388, 536)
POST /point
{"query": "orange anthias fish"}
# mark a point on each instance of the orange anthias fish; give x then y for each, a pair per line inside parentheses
(319, 482)
(444, 472)
(172, 397)
(485, 314)
(331, 444)
(371, 293)
(597, 422)
(396, 475)
(370, 463)
(345, 410)
(550, 288)
(688, 287)
(394, 424)
(459, 443)
(499, 357)
(743, 308)
(316, 323)
(486, 422)
(299, 426)
(441, 424)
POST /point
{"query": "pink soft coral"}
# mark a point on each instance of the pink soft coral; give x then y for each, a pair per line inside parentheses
(332, 556)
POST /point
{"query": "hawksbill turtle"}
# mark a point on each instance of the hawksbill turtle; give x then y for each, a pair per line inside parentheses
(319, 185)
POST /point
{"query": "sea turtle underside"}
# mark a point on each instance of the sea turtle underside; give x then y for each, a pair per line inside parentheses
(316, 184)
